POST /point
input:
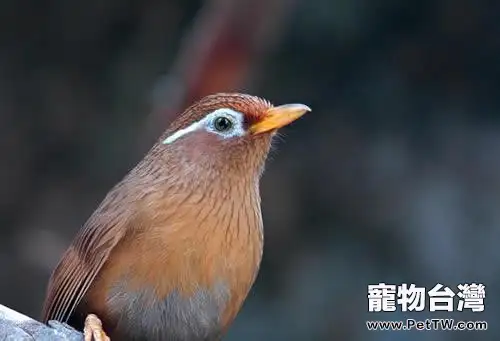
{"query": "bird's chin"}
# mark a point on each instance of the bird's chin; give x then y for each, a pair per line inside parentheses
(266, 137)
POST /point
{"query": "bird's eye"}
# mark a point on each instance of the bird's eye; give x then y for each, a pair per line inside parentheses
(222, 124)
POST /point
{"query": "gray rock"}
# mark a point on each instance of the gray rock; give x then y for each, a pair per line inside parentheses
(15, 326)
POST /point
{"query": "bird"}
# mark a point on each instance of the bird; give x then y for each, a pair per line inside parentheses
(174, 248)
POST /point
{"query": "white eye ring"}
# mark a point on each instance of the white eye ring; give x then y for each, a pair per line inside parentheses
(235, 127)
(225, 122)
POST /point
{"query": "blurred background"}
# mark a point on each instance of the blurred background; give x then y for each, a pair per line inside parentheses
(394, 177)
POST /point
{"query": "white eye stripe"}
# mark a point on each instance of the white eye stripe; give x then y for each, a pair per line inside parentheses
(207, 123)
(181, 132)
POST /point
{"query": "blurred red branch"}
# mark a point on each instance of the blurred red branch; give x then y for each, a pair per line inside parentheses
(227, 38)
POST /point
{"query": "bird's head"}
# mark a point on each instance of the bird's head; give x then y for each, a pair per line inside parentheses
(225, 134)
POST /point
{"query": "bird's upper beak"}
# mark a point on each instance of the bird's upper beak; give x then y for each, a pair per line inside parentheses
(277, 117)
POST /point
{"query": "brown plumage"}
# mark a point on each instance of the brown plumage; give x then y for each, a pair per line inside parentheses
(174, 248)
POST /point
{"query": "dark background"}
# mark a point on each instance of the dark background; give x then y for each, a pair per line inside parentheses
(394, 177)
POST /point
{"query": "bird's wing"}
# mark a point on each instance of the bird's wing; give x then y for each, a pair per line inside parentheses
(83, 260)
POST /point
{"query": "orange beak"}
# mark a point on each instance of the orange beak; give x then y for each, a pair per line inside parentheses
(278, 117)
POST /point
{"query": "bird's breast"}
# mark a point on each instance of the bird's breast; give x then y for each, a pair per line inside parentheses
(181, 278)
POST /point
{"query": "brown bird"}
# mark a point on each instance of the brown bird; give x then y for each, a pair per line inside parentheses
(174, 248)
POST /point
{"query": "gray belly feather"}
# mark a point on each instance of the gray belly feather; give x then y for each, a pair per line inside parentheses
(142, 316)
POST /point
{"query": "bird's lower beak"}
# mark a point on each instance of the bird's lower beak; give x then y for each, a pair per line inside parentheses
(277, 117)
